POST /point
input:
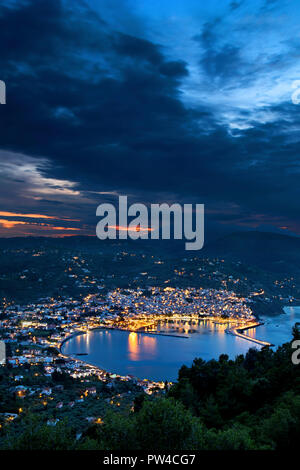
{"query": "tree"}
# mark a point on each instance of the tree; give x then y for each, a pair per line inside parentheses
(118, 432)
(165, 424)
(296, 331)
(235, 438)
(37, 435)
(138, 402)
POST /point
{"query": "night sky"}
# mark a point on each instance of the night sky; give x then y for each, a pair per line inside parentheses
(161, 100)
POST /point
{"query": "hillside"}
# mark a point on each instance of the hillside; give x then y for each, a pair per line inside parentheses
(245, 262)
(271, 251)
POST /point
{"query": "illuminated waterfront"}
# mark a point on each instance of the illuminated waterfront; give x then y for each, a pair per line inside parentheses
(156, 357)
(159, 357)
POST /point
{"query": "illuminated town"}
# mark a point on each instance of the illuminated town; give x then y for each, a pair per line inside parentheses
(33, 334)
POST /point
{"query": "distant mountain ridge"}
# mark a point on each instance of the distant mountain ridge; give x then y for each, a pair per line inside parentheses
(268, 250)
(272, 251)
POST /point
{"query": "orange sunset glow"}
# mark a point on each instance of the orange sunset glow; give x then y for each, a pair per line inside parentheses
(138, 228)
(34, 216)
(11, 223)
(30, 216)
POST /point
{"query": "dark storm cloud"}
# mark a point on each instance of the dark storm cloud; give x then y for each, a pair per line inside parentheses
(108, 116)
(221, 58)
(105, 109)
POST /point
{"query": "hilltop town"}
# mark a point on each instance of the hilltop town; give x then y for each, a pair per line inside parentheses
(37, 372)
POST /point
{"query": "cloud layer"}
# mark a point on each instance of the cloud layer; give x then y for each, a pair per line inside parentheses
(173, 103)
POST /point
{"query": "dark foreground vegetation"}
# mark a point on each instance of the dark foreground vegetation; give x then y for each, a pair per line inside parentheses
(252, 402)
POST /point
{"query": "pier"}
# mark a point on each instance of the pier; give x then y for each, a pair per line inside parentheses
(237, 331)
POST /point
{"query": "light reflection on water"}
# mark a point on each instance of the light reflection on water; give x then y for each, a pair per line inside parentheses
(141, 344)
(159, 357)
(156, 357)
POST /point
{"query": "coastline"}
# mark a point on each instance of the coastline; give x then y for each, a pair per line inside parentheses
(85, 363)
(103, 371)
(77, 333)
(235, 331)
